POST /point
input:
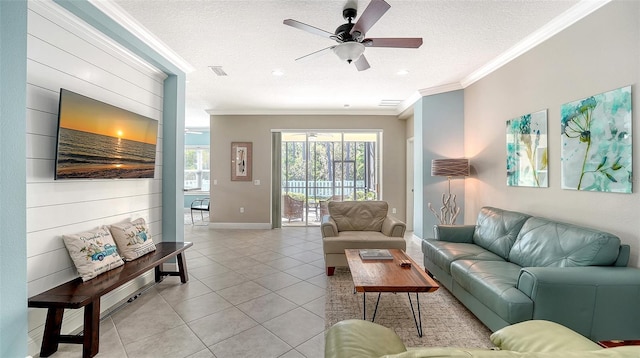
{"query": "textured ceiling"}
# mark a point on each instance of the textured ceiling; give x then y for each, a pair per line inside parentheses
(249, 40)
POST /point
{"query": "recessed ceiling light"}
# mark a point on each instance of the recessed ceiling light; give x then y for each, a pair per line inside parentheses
(402, 72)
(347, 105)
(277, 72)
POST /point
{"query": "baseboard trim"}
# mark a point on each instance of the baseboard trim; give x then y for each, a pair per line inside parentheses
(248, 226)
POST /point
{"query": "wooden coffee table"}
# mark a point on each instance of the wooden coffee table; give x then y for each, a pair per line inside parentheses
(387, 276)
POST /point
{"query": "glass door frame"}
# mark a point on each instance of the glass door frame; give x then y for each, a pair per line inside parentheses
(372, 182)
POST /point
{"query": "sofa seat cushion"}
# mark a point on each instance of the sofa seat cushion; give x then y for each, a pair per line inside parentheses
(541, 336)
(448, 352)
(497, 229)
(543, 242)
(443, 253)
(354, 338)
(361, 240)
(494, 284)
(358, 215)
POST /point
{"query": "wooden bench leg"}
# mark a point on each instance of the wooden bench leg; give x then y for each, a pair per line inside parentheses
(51, 331)
(91, 334)
(158, 273)
(182, 268)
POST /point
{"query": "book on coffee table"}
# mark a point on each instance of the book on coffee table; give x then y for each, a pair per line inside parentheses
(375, 254)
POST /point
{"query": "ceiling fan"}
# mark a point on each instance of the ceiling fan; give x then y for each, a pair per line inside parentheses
(351, 36)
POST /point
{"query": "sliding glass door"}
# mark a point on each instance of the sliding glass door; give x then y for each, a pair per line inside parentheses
(321, 166)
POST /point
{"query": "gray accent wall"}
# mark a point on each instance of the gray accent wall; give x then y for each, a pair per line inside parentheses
(598, 53)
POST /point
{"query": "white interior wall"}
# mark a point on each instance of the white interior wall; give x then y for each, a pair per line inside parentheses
(597, 54)
(63, 52)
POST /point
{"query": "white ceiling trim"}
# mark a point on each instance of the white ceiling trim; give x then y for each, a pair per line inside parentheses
(117, 14)
(303, 112)
(440, 89)
(409, 102)
(564, 20)
(95, 37)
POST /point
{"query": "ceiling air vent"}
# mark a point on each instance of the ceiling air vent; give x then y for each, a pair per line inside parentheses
(218, 70)
(390, 103)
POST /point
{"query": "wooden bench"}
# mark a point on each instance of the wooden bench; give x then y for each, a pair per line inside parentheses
(77, 294)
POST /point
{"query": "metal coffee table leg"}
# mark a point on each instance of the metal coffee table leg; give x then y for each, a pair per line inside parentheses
(419, 320)
(364, 306)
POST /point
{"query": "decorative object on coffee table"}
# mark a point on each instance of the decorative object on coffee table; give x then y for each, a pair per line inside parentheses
(375, 254)
(619, 343)
(448, 168)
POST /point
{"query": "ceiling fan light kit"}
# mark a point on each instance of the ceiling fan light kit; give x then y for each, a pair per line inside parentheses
(351, 36)
(349, 51)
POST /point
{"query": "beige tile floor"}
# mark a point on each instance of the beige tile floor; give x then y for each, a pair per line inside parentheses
(251, 293)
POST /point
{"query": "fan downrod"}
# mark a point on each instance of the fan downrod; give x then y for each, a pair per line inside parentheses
(343, 32)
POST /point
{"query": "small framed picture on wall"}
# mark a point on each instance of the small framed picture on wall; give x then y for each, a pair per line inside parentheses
(241, 155)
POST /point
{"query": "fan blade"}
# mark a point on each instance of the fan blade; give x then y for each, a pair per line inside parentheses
(362, 63)
(315, 54)
(370, 16)
(308, 28)
(404, 42)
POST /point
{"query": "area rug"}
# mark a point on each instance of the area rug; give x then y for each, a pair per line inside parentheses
(445, 321)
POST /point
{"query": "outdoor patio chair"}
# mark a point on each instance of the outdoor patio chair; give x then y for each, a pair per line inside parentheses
(292, 208)
(201, 205)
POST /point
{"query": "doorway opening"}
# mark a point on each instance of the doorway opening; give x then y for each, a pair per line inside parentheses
(318, 167)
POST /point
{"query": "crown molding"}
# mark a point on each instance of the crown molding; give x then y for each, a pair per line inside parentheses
(440, 89)
(401, 109)
(561, 22)
(70, 22)
(406, 105)
(119, 15)
(302, 112)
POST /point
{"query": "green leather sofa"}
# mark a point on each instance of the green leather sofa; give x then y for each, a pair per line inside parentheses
(511, 267)
(529, 339)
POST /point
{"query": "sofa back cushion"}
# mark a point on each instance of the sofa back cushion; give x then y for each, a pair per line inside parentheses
(497, 229)
(358, 215)
(544, 242)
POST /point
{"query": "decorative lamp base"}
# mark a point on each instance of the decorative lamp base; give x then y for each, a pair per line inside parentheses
(449, 210)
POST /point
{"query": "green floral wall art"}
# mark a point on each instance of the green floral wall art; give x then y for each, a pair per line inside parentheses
(596, 142)
(527, 150)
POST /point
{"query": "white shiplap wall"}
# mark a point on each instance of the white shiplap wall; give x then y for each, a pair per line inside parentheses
(64, 52)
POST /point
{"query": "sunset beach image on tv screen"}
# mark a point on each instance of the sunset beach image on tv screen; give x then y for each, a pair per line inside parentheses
(97, 140)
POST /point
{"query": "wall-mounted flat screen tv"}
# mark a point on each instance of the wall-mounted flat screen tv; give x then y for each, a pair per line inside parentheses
(99, 141)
